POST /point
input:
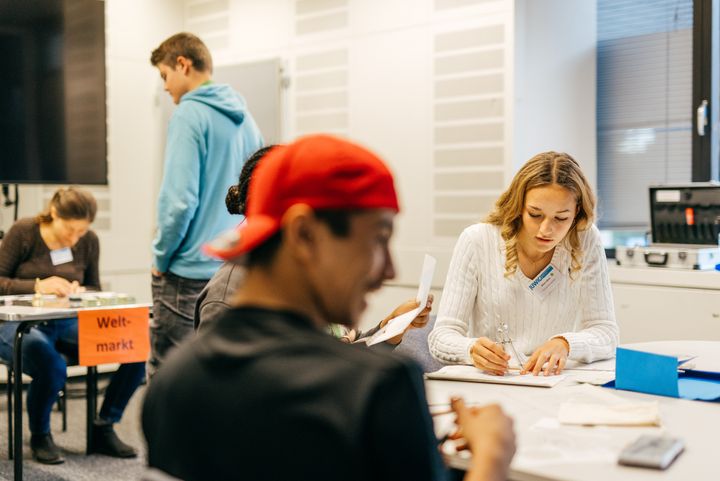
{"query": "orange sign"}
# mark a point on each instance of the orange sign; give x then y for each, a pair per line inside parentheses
(113, 335)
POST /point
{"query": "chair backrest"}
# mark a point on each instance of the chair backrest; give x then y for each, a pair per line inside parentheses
(415, 345)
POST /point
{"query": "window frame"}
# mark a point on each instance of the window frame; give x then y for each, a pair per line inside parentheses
(705, 160)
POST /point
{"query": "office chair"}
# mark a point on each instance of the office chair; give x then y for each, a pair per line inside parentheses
(415, 345)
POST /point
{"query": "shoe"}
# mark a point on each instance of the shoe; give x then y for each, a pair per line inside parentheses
(105, 441)
(44, 449)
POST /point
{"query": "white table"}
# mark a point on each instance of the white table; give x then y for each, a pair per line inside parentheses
(589, 453)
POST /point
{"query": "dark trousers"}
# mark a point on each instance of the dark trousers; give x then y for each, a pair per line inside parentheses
(42, 351)
(174, 300)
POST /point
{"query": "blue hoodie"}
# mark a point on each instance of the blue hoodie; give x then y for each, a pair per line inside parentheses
(210, 136)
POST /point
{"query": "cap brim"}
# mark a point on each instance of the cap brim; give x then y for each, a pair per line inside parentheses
(242, 239)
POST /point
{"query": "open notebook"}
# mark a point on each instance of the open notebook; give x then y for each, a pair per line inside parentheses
(473, 374)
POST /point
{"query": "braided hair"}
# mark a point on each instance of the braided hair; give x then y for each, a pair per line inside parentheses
(236, 198)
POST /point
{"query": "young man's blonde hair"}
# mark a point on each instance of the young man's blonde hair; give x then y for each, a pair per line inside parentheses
(183, 45)
(545, 169)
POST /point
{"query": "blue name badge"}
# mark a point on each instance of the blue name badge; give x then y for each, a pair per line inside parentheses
(61, 256)
(544, 281)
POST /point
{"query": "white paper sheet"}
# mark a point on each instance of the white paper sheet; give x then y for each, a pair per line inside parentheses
(549, 443)
(592, 406)
(473, 374)
(604, 365)
(398, 324)
(629, 414)
(596, 378)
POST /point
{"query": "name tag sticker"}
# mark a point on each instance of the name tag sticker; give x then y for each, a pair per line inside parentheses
(61, 256)
(544, 281)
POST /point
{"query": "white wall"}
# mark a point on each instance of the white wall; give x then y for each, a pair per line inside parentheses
(367, 69)
(135, 137)
(555, 81)
(374, 66)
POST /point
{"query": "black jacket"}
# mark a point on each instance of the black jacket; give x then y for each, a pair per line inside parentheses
(264, 395)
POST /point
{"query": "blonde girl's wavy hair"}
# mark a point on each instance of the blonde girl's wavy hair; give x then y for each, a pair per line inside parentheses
(547, 168)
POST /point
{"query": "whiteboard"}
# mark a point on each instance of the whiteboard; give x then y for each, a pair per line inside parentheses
(260, 84)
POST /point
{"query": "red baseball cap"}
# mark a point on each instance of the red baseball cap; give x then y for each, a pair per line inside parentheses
(321, 171)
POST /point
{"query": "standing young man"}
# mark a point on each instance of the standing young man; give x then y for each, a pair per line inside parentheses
(210, 135)
(265, 393)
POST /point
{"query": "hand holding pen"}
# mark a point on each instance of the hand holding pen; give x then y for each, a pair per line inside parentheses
(488, 432)
(489, 356)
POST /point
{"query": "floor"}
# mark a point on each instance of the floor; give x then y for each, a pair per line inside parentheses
(78, 466)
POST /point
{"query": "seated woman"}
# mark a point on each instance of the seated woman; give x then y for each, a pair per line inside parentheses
(530, 281)
(216, 297)
(58, 248)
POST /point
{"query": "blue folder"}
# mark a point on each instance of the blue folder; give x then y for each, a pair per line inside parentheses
(658, 374)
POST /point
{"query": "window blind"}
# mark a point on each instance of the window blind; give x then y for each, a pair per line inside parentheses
(644, 104)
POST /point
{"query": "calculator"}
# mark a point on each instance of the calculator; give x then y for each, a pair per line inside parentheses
(649, 451)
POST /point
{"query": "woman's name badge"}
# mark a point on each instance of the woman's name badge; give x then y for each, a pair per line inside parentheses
(61, 256)
(544, 281)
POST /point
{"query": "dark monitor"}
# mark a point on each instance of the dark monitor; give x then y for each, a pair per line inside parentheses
(52, 92)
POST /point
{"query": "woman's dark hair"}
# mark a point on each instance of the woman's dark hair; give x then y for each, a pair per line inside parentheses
(70, 203)
(236, 198)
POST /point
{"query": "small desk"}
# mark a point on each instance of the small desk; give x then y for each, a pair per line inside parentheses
(26, 317)
(696, 422)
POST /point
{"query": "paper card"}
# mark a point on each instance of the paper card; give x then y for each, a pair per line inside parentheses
(646, 372)
(115, 335)
(426, 277)
(544, 282)
(61, 256)
(397, 325)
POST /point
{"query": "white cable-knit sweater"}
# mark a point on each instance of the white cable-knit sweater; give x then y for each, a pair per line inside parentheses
(478, 298)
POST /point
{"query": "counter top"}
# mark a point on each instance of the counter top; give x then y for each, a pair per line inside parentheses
(664, 276)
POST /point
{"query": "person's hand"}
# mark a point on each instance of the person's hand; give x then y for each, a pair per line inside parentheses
(552, 355)
(489, 434)
(489, 356)
(420, 320)
(75, 287)
(155, 272)
(55, 285)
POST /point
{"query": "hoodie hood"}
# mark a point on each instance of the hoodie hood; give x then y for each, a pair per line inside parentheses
(222, 98)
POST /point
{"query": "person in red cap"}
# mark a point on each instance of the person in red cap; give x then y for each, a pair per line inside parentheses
(265, 393)
(216, 297)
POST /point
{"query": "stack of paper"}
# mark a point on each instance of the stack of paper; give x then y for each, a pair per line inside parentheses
(590, 405)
